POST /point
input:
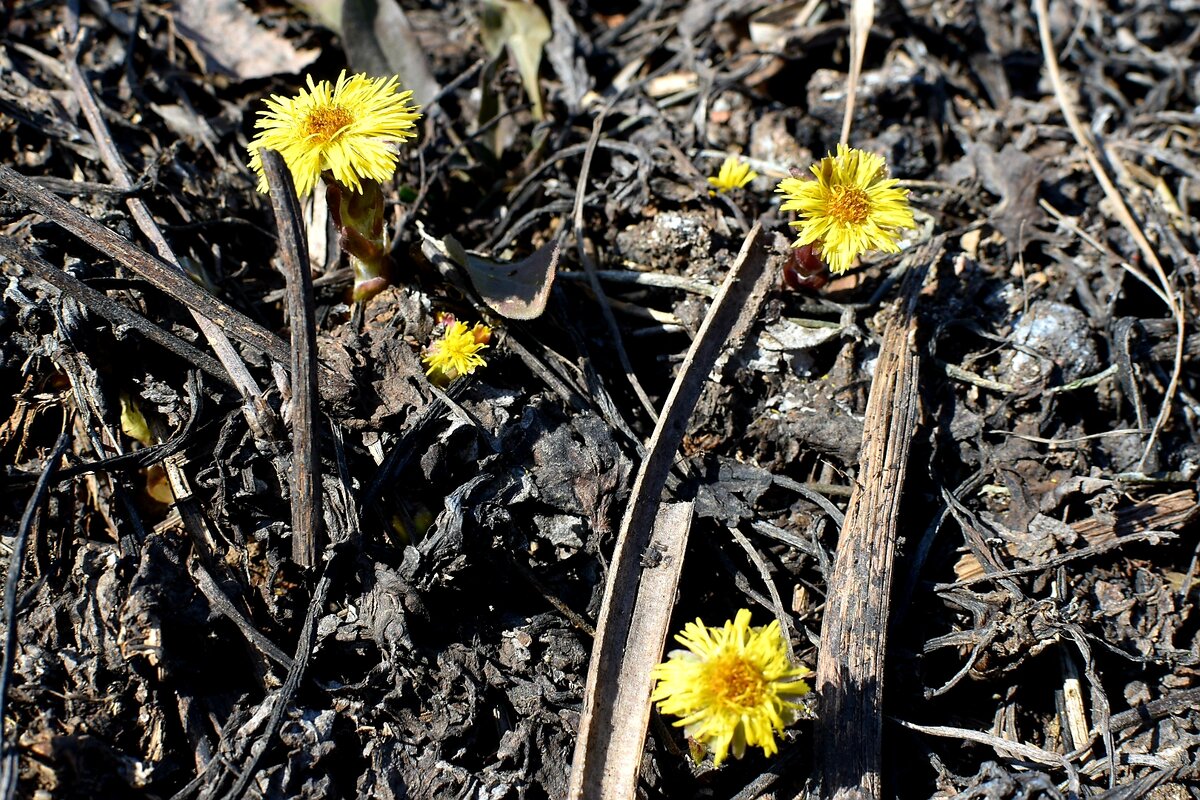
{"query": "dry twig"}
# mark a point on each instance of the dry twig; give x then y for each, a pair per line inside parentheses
(305, 474)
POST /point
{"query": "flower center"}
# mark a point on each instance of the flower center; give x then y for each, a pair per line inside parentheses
(322, 124)
(458, 350)
(849, 205)
(736, 682)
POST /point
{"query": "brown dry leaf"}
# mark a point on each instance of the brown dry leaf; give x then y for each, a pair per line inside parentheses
(158, 488)
(1016, 177)
(771, 25)
(226, 38)
(326, 12)
(516, 289)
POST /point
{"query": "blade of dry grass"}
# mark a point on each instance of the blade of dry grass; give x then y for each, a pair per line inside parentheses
(16, 563)
(862, 17)
(618, 754)
(586, 261)
(1124, 216)
(1004, 747)
(258, 412)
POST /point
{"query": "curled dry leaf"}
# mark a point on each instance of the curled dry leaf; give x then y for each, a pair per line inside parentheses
(515, 289)
(524, 30)
(380, 41)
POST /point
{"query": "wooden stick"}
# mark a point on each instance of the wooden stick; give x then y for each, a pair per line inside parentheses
(854, 630)
(111, 310)
(258, 412)
(156, 271)
(305, 475)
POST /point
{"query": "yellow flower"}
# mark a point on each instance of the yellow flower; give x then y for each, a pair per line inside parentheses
(455, 348)
(734, 174)
(851, 207)
(350, 129)
(730, 686)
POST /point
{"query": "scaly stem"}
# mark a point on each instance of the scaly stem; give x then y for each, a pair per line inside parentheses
(362, 235)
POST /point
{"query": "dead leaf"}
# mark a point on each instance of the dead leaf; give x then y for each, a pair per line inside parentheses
(517, 289)
(326, 12)
(783, 339)
(524, 30)
(771, 25)
(565, 55)
(380, 41)
(226, 38)
(1016, 177)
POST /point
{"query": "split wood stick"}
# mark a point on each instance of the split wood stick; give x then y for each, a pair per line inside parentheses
(603, 766)
(854, 630)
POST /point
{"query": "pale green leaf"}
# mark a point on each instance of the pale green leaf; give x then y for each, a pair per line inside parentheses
(523, 29)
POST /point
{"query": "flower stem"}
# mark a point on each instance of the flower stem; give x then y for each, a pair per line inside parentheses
(362, 235)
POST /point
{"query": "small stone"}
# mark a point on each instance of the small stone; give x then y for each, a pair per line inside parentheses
(1050, 336)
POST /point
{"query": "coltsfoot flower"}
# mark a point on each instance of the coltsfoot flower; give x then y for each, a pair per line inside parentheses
(851, 207)
(734, 174)
(454, 349)
(731, 686)
(350, 128)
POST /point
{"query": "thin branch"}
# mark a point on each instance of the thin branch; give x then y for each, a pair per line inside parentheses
(16, 561)
(305, 475)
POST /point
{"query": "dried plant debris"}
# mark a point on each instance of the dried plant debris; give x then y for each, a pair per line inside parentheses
(606, 162)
